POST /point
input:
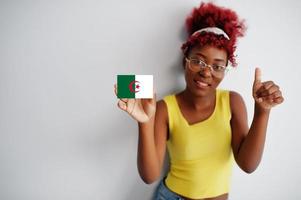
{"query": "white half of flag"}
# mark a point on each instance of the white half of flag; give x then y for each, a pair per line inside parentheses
(145, 86)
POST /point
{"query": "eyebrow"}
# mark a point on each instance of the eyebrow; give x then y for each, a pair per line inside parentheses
(215, 59)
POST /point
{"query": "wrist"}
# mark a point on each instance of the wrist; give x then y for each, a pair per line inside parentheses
(260, 110)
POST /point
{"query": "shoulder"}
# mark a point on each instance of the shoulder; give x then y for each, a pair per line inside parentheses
(166, 102)
(161, 119)
(236, 101)
(161, 104)
(164, 107)
(235, 96)
(161, 110)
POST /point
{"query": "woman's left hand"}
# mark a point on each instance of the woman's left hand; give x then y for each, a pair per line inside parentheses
(266, 94)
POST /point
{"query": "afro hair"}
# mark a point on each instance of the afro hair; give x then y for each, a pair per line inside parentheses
(210, 15)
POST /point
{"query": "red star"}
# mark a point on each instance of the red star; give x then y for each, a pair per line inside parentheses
(137, 86)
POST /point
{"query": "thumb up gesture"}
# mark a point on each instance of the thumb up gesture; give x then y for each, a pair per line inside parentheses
(266, 94)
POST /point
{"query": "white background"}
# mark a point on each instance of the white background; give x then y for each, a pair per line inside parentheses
(61, 134)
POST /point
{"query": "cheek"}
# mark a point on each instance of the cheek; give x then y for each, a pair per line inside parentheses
(188, 76)
(216, 81)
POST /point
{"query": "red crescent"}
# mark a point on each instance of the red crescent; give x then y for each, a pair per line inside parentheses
(131, 86)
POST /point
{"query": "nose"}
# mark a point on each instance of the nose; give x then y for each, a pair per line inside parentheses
(205, 72)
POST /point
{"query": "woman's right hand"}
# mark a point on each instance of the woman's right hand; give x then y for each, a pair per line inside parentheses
(142, 110)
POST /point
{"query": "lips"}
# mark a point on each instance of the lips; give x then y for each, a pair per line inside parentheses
(201, 84)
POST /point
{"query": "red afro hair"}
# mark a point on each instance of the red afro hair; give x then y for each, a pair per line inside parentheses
(210, 15)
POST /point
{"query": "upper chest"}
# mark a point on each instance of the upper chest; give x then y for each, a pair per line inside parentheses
(193, 115)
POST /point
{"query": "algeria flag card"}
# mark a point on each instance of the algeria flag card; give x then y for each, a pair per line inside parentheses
(135, 86)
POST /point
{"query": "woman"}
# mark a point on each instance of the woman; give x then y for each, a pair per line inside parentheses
(204, 128)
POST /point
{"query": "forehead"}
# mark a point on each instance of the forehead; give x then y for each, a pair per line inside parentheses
(209, 52)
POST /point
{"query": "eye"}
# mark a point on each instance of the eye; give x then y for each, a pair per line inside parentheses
(194, 61)
(218, 67)
(197, 62)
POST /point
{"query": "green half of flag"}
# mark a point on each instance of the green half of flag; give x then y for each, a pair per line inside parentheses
(134, 86)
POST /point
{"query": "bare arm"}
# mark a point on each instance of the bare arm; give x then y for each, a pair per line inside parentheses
(248, 144)
(152, 144)
(152, 121)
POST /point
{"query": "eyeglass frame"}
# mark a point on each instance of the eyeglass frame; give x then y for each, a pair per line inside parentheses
(225, 67)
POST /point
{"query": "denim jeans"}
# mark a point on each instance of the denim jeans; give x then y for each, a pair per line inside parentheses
(163, 193)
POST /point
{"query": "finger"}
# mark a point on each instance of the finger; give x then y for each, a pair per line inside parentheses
(259, 99)
(279, 100)
(276, 94)
(268, 99)
(122, 105)
(132, 106)
(273, 97)
(275, 101)
(257, 78)
(265, 86)
(115, 89)
(124, 100)
(271, 90)
(153, 100)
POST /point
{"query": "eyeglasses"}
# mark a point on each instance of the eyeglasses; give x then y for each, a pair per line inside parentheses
(197, 65)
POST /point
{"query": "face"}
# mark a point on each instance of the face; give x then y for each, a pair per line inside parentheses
(203, 82)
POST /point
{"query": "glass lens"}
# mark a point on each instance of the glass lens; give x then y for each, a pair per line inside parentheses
(217, 73)
(195, 65)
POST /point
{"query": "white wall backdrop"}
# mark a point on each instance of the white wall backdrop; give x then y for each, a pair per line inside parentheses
(61, 134)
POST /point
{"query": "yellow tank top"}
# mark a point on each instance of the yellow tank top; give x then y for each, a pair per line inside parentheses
(201, 156)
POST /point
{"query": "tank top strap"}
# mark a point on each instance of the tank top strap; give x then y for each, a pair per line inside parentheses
(172, 110)
(223, 106)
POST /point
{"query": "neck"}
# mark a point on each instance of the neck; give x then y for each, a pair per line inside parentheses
(198, 102)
